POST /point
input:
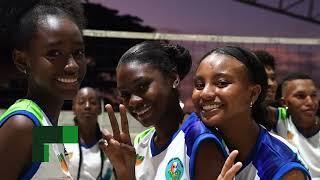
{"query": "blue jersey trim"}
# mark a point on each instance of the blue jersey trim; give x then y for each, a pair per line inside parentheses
(291, 166)
(98, 137)
(28, 114)
(271, 154)
(31, 171)
(155, 151)
(195, 149)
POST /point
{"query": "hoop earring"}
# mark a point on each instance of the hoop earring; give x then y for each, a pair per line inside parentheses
(175, 83)
(251, 104)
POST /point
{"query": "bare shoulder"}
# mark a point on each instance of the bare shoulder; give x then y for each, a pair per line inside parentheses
(209, 161)
(16, 132)
(17, 124)
(294, 175)
(15, 146)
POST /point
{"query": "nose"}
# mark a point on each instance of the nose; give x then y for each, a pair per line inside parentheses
(87, 105)
(71, 66)
(270, 82)
(310, 101)
(134, 100)
(208, 92)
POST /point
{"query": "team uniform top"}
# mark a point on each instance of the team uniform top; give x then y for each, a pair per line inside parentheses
(176, 160)
(309, 148)
(57, 167)
(271, 158)
(91, 162)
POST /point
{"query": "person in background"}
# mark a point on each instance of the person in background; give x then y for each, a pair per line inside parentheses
(297, 119)
(269, 65)
(229, 90)
(87, 160)
(44, 40)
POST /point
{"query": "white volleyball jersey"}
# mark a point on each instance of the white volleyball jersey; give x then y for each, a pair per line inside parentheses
(271, 158)
(57, 167)
(309, 148)
(91, 162)
(177, 159)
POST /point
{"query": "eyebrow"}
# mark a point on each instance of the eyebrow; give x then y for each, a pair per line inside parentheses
(302, 91)
(140, 80)
(222, 74)
(57, 43)
(135, 82)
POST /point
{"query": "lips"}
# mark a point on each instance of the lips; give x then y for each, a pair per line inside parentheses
(142, 112)
(210, 108)
(309, 112)
(88, 114)
(68, 80)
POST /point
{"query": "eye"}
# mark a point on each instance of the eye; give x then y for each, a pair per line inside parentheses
(78, 54)
(300, 96)
(142, 87)
(221, 83)
(272, 78)
(198, 84)
(80, 102)
(124, 95)
(94, 102)
(54, 54)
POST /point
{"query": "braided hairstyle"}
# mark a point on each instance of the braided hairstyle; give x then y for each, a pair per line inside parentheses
(20, 19)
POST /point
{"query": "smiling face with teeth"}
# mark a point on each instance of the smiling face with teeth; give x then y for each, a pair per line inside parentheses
(222, 90)
(145, 91)
(56, 62)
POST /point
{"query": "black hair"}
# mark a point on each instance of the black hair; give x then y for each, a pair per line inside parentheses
(20, 18)
(266, 58)
(162, 55)
(291, 77)
(295, 76)
(98, 95)
(256, 74)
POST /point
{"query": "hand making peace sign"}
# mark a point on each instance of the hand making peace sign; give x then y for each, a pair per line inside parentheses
(118, 146)
(230, 169)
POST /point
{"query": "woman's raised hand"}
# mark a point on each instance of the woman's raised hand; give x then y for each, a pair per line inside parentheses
(118, 147)
(230, 169)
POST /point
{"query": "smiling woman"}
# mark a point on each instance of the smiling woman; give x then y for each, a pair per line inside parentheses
(174, 146)
(45, 43)
(229, 89)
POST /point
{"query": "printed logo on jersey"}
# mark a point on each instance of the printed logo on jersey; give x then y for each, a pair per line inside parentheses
(174, 169)
(139, 159)
(289, 135)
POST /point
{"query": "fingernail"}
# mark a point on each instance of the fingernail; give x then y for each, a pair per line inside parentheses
(103, 142)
